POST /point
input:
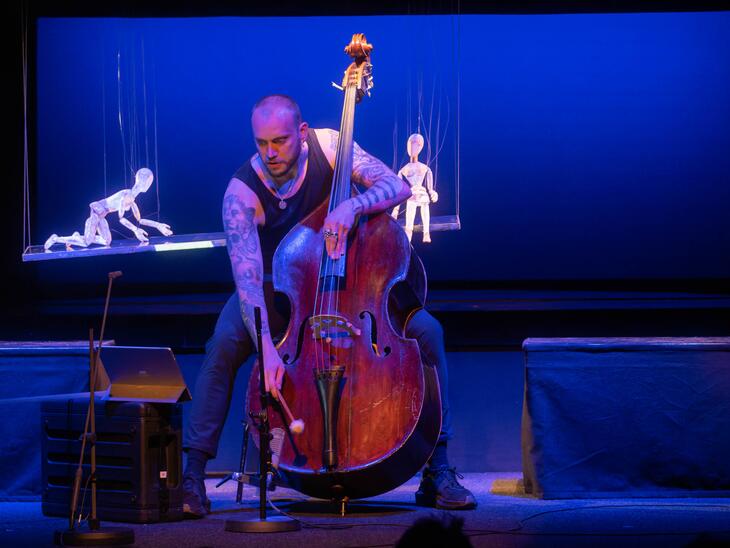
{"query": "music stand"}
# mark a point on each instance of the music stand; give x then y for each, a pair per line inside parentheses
(136, 373)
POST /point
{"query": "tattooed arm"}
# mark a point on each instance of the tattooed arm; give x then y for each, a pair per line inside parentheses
(242, 214)
(384, 189)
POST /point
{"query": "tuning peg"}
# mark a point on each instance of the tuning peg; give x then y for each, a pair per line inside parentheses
(338, 86)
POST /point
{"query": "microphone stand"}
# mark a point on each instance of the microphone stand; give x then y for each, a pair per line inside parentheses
(262, 524)
(95, 535)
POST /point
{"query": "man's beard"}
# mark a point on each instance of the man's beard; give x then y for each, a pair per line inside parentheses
(287, 173)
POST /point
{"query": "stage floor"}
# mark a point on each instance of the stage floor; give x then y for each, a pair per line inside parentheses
(503, 518)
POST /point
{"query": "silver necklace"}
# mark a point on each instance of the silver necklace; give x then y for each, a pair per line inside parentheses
(282, 202)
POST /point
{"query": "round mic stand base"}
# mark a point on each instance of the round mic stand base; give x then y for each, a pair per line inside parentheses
(273, 524)
(103, 536)
(264, 523)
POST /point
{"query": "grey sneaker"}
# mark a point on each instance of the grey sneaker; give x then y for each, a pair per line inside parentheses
(440, 488)
(195, 502)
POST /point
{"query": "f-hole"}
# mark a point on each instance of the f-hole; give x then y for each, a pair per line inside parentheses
(300, 341)
(374, 335)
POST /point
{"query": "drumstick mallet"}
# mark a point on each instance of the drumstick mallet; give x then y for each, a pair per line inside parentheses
(296, 426)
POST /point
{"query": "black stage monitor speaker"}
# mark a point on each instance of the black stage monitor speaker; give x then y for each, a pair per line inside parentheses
(139, 439)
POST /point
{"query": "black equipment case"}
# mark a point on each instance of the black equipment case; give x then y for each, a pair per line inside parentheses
(138, 459)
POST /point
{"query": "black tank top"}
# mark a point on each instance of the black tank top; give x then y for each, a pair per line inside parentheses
(314, 190)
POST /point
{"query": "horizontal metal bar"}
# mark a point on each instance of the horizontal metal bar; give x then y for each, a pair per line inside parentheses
(127, 246)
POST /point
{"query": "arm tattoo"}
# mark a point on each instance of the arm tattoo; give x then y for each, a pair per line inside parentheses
(244, 251)
(385, 188)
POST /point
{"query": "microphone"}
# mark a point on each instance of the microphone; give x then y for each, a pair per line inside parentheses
(276, 445)
(115, 274)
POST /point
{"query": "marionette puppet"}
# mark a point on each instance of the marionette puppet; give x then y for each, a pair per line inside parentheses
(96, 229)
(419, 177)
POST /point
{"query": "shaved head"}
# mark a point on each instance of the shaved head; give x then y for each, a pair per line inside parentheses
(278, 105)
(279, 134)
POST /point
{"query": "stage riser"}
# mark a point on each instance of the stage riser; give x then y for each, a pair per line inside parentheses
(627, 417)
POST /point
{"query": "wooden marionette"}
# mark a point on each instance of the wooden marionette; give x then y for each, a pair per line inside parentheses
(420, 178)
(96, 229)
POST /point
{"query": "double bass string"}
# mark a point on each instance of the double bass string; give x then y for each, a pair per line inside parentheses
(329, 262)
(345, 167)
(339, 194)
(344, 188)
(319, 298)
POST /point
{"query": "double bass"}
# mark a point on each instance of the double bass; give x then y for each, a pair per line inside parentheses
(372, 410)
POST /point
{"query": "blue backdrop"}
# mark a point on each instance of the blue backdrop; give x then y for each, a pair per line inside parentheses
(590, 146)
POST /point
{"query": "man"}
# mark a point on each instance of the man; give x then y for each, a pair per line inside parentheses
(289, 177)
